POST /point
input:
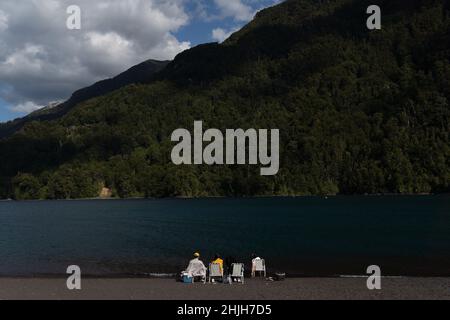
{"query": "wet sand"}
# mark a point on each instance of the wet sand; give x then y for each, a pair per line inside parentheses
(253, 289)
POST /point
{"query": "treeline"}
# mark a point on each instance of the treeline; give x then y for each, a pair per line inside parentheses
(358, 112)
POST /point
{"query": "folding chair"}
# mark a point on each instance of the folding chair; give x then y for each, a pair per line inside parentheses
(259, 265)
(237, 272)
(215, 271)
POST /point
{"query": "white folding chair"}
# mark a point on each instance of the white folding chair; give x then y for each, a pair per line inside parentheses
(215, 271)
(237, 271)
(259, 265)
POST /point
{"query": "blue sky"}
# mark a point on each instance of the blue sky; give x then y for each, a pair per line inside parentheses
(41, 61)
(200, 28)
(5, 114)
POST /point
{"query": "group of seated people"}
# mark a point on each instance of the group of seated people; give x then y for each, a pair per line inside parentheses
(197, 269)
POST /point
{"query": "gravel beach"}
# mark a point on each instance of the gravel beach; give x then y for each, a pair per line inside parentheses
(253, 289)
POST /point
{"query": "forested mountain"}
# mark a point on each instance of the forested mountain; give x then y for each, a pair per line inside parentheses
(140, 73)
(359, 111)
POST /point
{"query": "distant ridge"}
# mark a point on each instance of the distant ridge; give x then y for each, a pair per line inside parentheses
(140, 73)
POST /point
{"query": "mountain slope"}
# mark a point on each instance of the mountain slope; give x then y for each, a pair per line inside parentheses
(140, 73)
(359, 112)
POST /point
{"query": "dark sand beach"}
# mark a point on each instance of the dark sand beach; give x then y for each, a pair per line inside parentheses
(253, 289)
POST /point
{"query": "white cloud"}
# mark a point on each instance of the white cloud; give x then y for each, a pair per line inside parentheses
(26, 107)
(236, 9)
(241, 11)
(3, 21)
(41, 60)
(221, 35)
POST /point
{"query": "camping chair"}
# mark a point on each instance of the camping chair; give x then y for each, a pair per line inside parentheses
(215, 271)
(259, 265)
(237, 271)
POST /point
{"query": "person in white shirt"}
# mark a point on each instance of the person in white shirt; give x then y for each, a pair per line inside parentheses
(196, 267)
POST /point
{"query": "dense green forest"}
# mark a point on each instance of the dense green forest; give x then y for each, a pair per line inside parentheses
(359, 111)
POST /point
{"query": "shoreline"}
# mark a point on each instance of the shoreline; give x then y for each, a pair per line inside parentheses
(252, 289)
(174, 276)
(239, 197)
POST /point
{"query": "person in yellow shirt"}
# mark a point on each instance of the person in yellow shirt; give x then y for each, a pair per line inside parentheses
(219, 261)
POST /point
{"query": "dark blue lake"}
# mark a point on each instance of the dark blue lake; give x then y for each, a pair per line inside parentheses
(404, 235)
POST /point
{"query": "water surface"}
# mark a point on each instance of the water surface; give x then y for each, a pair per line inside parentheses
(404, 235)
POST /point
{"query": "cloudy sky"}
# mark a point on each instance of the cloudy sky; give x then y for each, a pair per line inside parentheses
(41, 60)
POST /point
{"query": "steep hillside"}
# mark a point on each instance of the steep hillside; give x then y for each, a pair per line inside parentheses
(359, 112)
(140, 73)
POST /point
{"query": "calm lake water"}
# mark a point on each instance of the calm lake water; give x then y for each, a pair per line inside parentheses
(404, 235)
